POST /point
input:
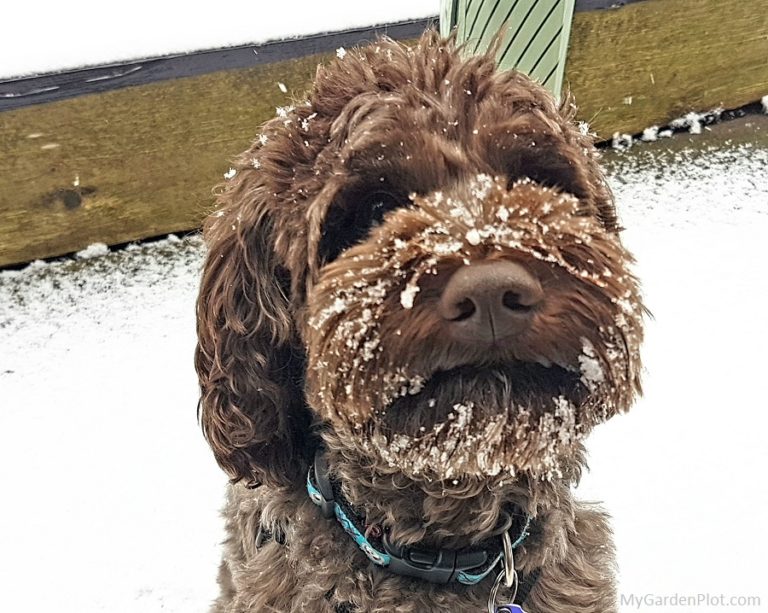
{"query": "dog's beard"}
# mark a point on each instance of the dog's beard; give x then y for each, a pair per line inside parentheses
(492, 419)
(380, 369)
(484, 420)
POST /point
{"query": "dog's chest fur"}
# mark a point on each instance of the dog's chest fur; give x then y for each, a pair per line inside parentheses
(571, 543)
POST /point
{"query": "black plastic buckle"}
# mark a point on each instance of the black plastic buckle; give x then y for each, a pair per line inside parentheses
(433, 565)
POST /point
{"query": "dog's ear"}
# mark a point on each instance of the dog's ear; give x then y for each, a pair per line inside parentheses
(248, 361)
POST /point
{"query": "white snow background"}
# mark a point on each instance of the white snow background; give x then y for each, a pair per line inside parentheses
(110, 495)
(51, 36)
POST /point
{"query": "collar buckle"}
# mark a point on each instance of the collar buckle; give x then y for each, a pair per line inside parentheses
(434, 565)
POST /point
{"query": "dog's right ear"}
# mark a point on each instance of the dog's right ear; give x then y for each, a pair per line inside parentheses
(248, 362)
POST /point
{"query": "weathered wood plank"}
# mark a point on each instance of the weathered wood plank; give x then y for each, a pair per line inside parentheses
(140, 161)
(653, 61)
(131, 163)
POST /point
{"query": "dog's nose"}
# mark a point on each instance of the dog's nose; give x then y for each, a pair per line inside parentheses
(489, 301)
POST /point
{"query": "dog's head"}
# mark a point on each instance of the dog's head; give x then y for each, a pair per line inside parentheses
(426, 254)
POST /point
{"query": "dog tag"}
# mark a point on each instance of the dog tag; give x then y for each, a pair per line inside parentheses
(509, 608)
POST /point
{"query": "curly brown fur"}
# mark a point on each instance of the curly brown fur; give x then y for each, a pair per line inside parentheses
(307, 312)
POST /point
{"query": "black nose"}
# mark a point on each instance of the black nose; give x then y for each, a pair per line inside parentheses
(489, 301)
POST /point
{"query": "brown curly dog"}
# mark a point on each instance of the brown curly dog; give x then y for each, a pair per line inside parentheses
(414, 308)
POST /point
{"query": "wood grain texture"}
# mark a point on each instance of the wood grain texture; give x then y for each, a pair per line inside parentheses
(132, 163)
(650, 62)
(141, 161)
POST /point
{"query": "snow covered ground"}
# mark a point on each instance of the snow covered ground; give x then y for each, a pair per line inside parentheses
(110, 495)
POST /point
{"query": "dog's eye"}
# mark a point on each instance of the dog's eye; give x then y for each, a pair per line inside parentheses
(552, 175)
(348, 225)
(371, 211)
(541, 160)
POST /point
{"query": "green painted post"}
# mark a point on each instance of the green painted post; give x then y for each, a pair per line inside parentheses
(536, 37)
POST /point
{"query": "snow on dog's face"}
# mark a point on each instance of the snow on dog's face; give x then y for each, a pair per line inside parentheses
(386, 365)
(425, 255)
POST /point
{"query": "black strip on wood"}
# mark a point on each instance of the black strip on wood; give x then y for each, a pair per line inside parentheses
(595, 5)
(471, 28)
(550, 75)
(491, 17)
(519, 27)
(38, 89)
(544, 21)
(546, 49)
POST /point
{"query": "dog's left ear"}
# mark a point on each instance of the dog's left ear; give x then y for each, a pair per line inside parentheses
(248, 361)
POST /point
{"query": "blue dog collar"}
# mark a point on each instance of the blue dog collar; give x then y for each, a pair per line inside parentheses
(465, 566)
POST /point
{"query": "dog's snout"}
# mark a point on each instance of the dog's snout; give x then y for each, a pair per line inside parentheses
(489, 301)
